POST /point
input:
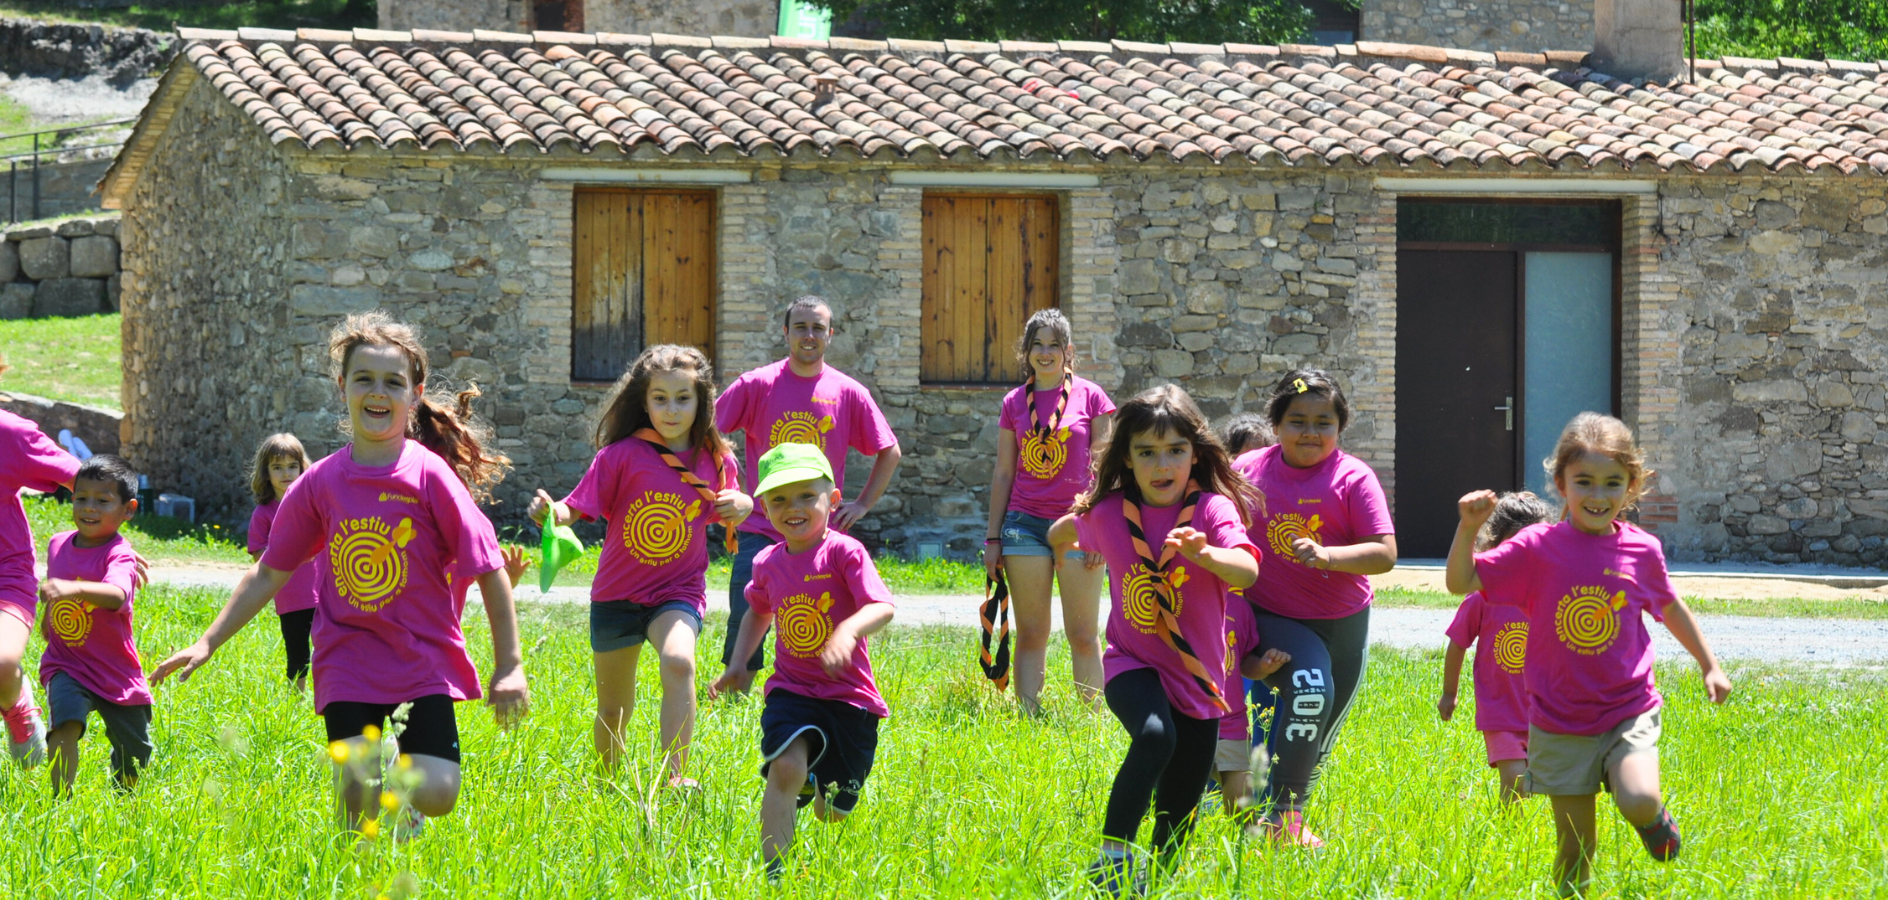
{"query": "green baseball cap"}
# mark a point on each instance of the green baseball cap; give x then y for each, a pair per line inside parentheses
(788, 463)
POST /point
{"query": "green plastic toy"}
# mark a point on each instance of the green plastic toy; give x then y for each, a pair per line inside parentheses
(561, 547)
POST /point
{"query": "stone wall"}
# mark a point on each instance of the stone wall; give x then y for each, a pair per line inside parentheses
(65, 269)
(1487, 25)
(454, 15)
(69, 50)
(65, 188)
(733, 18)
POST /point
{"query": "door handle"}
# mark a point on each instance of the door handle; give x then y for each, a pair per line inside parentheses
(1509, 409)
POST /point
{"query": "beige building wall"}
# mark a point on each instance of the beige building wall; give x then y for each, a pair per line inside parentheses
(1487, 25)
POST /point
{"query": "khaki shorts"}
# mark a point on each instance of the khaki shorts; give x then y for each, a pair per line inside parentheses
(1235, 756)
(1574, 764)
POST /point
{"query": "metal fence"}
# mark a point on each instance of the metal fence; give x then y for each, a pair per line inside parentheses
(45, 148)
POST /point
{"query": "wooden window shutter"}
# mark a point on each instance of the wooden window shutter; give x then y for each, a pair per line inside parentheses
(642, 273)
(990, 261)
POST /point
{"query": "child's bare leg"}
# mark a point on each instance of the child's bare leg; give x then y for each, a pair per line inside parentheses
(356, 780)
(673, 634)
(62, 748)
(1636, 788)
(616, 699)
(1232, 790)
(1030, 578)
(786, 775)
(430, 783)
(13, 635)
(1576, 833)
(1081, 623)
(1513, 772)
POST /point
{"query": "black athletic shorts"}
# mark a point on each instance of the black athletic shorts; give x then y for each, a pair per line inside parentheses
(432, 728)
(843, 738)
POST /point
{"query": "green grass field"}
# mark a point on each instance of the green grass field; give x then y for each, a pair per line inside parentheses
(1778, 793)
(77, 360)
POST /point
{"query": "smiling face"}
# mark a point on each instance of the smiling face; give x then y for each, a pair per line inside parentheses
(283, 471)
(380, 393)
(1596, 487)
(799, 510)
(1307, 435)
(98, 510)
(671, 403)
(809, 331)
(1162, 463)
(1048, 356)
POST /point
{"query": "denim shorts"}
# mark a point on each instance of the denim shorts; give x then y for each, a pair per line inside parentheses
(615, 624)
(1027, 535)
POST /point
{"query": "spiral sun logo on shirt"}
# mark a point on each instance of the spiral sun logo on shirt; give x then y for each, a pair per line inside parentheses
(796, 427)
(803, 623)
(369, 561)
(1588, 619)
(71, 620)
(1287, 527)
(656, 528)
(1141, 602)
(1044, 452)
(1511, 647)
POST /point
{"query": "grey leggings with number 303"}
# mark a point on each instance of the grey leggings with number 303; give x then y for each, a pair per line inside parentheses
(1315, 689)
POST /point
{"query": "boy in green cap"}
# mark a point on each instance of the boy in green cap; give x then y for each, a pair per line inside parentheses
(819, 725)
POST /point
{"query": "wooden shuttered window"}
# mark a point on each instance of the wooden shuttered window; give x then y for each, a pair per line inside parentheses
(990, 262)
(643, 273)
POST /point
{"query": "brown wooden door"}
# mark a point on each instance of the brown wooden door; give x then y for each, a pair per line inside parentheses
(642, 273)
(990, 262)
(1456, 365)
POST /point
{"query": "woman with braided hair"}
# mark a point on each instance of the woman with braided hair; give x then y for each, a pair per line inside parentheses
(1047, 429)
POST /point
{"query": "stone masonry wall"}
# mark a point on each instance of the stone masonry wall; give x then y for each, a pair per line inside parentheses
(65, 269)
(453, 15)
(732, 18)
(1486, 25)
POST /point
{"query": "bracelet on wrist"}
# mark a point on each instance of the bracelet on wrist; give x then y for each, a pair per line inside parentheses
(995, 540)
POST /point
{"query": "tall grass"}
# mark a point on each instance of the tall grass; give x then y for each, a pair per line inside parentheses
(1779, 794)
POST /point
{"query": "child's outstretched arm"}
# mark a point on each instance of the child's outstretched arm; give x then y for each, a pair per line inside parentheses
(1374, 554)
(1451, 679)
(753, 627)
(1062, 538)
(544, 505)
(509, 696)
(837, 654)
(1233, 565)
(1684, 626)
(97, 593)
(253, 592)
(1475, 508)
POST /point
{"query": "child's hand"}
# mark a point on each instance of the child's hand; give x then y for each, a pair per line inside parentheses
(54, 588)
(733, 507)
(1717, 685)
(1092, 561)
(837, 654)
(1188, 540)
(993, 558)
(1259, 668)
(1445, 706)
(1310, 553)
(183, 663)
(726, 682)
(509, 697)
(1475, 507)
(541, 506)
(141, 569)
(515, 562)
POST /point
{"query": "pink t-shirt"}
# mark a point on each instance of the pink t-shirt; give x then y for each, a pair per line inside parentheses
(807, 594)
(1589, 656)
(1133, 639)
(387, 625)
(656, 549)
(299, 593)
(28, 459)
(90, 643)
(1337, 502)
(1242, 640)
(1499, 634)
(1052, 469)
(771, 405)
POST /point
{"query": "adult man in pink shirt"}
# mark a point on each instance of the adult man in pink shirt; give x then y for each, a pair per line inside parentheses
(802, 400)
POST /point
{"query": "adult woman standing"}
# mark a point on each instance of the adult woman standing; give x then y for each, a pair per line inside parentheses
(1049, 428)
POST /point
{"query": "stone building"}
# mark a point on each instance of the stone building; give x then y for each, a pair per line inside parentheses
(746, 18)
(1477, 244)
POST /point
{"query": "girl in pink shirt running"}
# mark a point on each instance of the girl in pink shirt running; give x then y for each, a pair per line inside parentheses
(28, 459)
(661, 475)
(280, 460)
(1584, 583)
(394, 517)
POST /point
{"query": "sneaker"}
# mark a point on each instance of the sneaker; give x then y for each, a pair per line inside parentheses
(1286, 829)
(1661, 837)
(408, 825)
(26, 733)
(1117, 876)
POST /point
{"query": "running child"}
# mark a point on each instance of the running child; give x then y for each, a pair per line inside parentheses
(819, 727)
(1165, 512)
(1243, 433)
(280, 460)
(1584, 583)
(91, 664)
(1499, 633)
(1326, 527)
(661, 475)
(1236, 756)
(1047, 430)
(28, 460)
(393, 516)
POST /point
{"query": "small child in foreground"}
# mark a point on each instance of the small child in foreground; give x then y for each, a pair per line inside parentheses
(90, 664)
(1499, 632)
(1585, 581)
(1236, 756)
(819, 727)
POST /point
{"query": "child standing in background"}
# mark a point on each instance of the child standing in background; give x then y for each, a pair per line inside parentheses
(91, 664)
(28, 460)
(819, 727)
(280, 460)
(1499, 633)
(1246, 432)
(1585, 583)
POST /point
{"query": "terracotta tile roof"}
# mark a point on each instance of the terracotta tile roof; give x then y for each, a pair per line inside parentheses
(1379, 105)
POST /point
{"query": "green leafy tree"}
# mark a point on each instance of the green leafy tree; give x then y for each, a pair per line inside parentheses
(1808, 29)
(1203, 21)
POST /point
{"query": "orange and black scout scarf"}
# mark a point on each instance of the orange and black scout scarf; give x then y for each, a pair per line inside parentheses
(1061, 402)
(995, 616)
(1168, 624)
(654, 440)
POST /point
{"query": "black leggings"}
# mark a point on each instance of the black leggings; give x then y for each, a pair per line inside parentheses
(1169, 758)
(295, 628)
(1315, 689)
